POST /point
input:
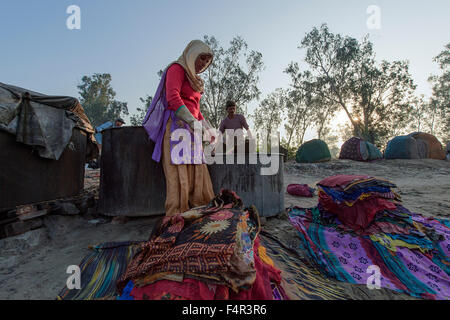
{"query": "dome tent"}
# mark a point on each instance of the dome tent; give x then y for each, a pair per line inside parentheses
(357, 149)
(402, 147)
(313, 151)
(417, 145)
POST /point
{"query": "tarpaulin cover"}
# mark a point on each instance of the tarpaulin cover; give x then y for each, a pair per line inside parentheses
(374, 152)
(42, 121)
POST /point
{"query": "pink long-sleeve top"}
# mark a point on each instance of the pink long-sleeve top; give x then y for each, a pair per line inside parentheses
(179, 91)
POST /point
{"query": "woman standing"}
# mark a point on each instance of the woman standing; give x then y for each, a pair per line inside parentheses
(176, 105)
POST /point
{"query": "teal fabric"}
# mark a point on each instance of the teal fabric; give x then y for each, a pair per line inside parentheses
(374, 153)
(180, 108)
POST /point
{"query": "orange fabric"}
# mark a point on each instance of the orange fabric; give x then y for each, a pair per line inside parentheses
(264, 257)
(435, 150)
(187, 185)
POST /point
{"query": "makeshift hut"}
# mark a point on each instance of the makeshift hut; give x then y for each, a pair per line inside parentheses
(312, 151)
(357, 149)
(45, 142)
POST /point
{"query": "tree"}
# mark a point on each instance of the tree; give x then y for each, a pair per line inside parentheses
(97, 99)
(422, 115)
(382, 96)
(343, 72)
(228, 79)
(318, 110)
(331, 141)
(137, 118)
(323, 112)
(440, 100)
(299, 118)
(267, 116)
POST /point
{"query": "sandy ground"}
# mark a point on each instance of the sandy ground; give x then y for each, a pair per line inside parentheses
(33, 265)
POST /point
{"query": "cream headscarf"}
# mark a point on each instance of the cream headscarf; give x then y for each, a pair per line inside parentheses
(187, 61)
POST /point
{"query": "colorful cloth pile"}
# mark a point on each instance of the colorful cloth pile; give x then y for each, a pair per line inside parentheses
(411, 252)
(211, 252)
(356, 199)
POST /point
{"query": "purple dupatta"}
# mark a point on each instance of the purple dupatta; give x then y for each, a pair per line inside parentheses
(155, 123)
(155, 120)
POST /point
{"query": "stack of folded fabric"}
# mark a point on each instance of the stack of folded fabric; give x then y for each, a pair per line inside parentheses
(207, 253)
(356, 199)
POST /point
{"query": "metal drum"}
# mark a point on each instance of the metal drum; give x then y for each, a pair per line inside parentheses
(131, 182)
(265, 192)
(27, 178)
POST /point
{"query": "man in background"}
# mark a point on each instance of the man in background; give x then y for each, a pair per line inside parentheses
(234, 121)
(98, 135)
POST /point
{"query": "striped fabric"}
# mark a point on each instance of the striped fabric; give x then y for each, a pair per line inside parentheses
(100, 270)
(304, 281)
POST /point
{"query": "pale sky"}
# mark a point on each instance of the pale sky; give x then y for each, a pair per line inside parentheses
(133, 40)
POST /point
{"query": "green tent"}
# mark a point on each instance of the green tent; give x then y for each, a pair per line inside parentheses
(313, 151)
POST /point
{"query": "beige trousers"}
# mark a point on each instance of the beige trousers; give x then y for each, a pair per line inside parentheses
(187, 185)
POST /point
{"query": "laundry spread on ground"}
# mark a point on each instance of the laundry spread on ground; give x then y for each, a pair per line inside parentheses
(410, 251)
(219, 252)
(211, 252)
